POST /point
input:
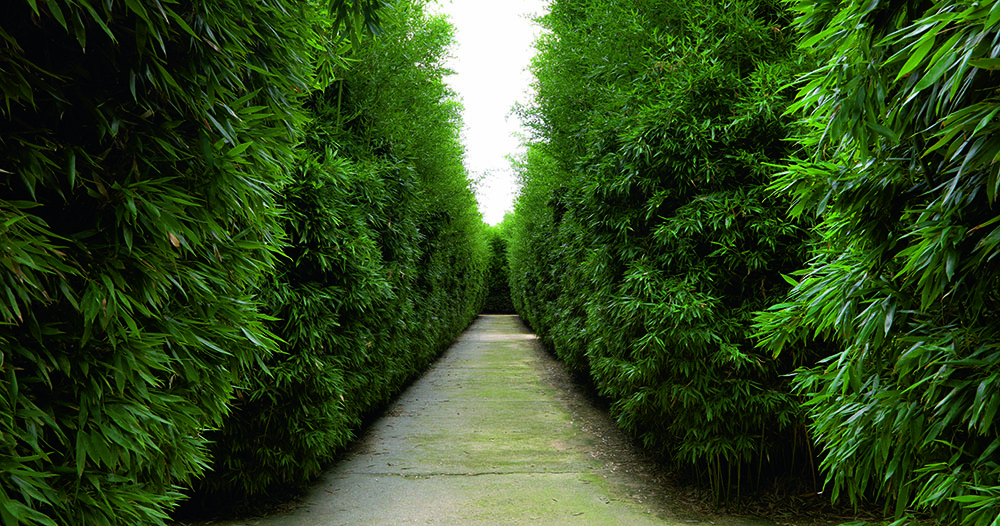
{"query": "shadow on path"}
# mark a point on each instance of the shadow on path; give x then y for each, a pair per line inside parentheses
(493, 433)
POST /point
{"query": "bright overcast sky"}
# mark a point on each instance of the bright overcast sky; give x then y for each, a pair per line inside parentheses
(493, 47)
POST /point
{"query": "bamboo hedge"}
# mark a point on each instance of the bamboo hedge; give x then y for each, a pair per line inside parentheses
(498, 300)
(172, 196)
(667, 195)
(645, 237)
(899, 161)
(385, 264)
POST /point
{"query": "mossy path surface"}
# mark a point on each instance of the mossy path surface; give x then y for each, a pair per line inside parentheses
(493, 433)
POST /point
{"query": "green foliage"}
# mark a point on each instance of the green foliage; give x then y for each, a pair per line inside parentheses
(385, 263)
(900, 162)
(149, 172)
(140, 143)
(644, 238)
(353, 14)
(498, 276)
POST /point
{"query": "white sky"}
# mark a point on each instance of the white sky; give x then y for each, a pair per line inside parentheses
(493, 47)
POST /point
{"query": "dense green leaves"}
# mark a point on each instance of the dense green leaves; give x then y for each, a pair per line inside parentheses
(498, 299)
(645, 238)
(181, 180)
(385, 263)
(140, 146)
(899, 161)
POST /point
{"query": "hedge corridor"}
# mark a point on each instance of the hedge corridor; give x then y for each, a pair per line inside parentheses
(766, 231)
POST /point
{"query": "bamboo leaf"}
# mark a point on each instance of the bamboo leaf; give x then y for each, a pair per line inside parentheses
(986, 63)
(883, 131)
(921, 50)
(936, 70)
(56, 12)
(71, 168)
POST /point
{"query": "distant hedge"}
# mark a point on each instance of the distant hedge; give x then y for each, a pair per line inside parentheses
(172, 194)
(498, 299)
(645, 237)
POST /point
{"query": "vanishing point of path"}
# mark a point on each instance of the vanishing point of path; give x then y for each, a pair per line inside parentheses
(493, 433)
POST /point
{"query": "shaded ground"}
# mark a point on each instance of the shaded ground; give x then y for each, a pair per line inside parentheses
(496, 432)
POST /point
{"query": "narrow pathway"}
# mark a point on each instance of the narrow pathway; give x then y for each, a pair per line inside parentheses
(492, 434)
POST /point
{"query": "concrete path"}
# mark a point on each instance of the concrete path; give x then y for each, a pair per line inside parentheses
(490, 435)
